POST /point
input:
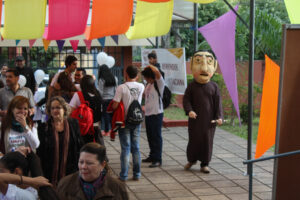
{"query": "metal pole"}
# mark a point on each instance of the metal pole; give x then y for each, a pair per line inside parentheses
(250, 93)
(290, 153)
(156, 42)
(196, 27)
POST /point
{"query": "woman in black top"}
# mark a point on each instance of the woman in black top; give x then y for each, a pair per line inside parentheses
(60, 141)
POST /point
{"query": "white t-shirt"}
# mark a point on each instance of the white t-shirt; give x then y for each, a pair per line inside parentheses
(127, 96)
(16, 193)
(152, 105)
(75, 101)
(14, 139)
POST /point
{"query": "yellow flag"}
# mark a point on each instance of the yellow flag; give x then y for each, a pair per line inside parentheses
(201, 1)
(151, 20)
(293, 7)
(24, 19)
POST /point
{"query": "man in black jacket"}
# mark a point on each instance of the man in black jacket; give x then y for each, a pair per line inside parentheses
(27, 72)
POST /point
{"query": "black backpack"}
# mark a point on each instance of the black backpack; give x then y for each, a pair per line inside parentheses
(135, 114)
(167, 95)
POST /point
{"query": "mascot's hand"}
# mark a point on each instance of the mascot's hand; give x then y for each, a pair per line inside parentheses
(192, 115)
(219, 122)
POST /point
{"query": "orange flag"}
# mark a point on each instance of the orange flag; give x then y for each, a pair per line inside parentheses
(268, 109)
(109, 18)
(46, 44)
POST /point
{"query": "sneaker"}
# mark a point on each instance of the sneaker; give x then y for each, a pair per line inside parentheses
(135, 178)
(155, 164)
(147, 160)
(189, 165)
(204, 169)
(107, 133)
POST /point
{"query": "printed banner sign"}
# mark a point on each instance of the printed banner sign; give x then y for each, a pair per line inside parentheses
(172, 63)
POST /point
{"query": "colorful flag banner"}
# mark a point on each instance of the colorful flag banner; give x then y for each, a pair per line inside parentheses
(268, 109)
(60, 45)
(151, 20)
(74, 44)
(46, 44)
(31, 43)
(201, 1)
(292, 7)
(88, 44)
(115, 38)
(220, 35)
(24, 19)
(67, 18)
(102, 41)
(17, 42)
(109, 18)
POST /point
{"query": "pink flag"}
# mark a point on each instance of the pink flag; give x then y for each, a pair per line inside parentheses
(67, 18)
(74, 44)
(31, 43)
(220, 35)
(88, 44)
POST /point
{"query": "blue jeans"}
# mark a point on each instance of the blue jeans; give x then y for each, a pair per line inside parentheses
(106, 117)
(153, 130)
(130, 142)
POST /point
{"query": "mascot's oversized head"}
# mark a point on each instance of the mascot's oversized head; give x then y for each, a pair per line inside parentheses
(203, 66)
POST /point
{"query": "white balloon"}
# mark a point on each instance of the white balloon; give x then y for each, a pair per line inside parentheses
(39, 76)
(101, 58)
(22, 81)
(110, 61)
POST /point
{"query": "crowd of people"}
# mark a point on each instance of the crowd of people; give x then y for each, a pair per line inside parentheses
(63, 155)
(52, 158)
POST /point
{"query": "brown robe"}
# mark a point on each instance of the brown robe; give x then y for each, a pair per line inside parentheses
(205, 101)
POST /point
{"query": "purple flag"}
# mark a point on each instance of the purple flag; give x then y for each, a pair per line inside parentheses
(115, 38)
(60, 44)
(220, 35)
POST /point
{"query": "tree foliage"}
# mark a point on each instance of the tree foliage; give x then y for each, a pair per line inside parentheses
(269, 17)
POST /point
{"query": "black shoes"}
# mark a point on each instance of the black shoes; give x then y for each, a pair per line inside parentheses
(155, 164)
(147, 160)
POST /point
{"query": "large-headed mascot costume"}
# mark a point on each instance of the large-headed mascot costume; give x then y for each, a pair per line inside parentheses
(202, 103)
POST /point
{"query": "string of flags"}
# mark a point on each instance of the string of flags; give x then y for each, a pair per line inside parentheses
(74, 43)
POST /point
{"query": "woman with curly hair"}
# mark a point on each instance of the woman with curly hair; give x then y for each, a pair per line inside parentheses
(60, 141)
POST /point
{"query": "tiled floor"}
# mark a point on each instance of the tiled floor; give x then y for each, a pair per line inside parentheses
(226, 180)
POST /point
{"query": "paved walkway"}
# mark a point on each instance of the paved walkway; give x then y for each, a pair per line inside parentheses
(226, 180)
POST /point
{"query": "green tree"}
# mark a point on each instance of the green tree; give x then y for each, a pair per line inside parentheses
(270, 15)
